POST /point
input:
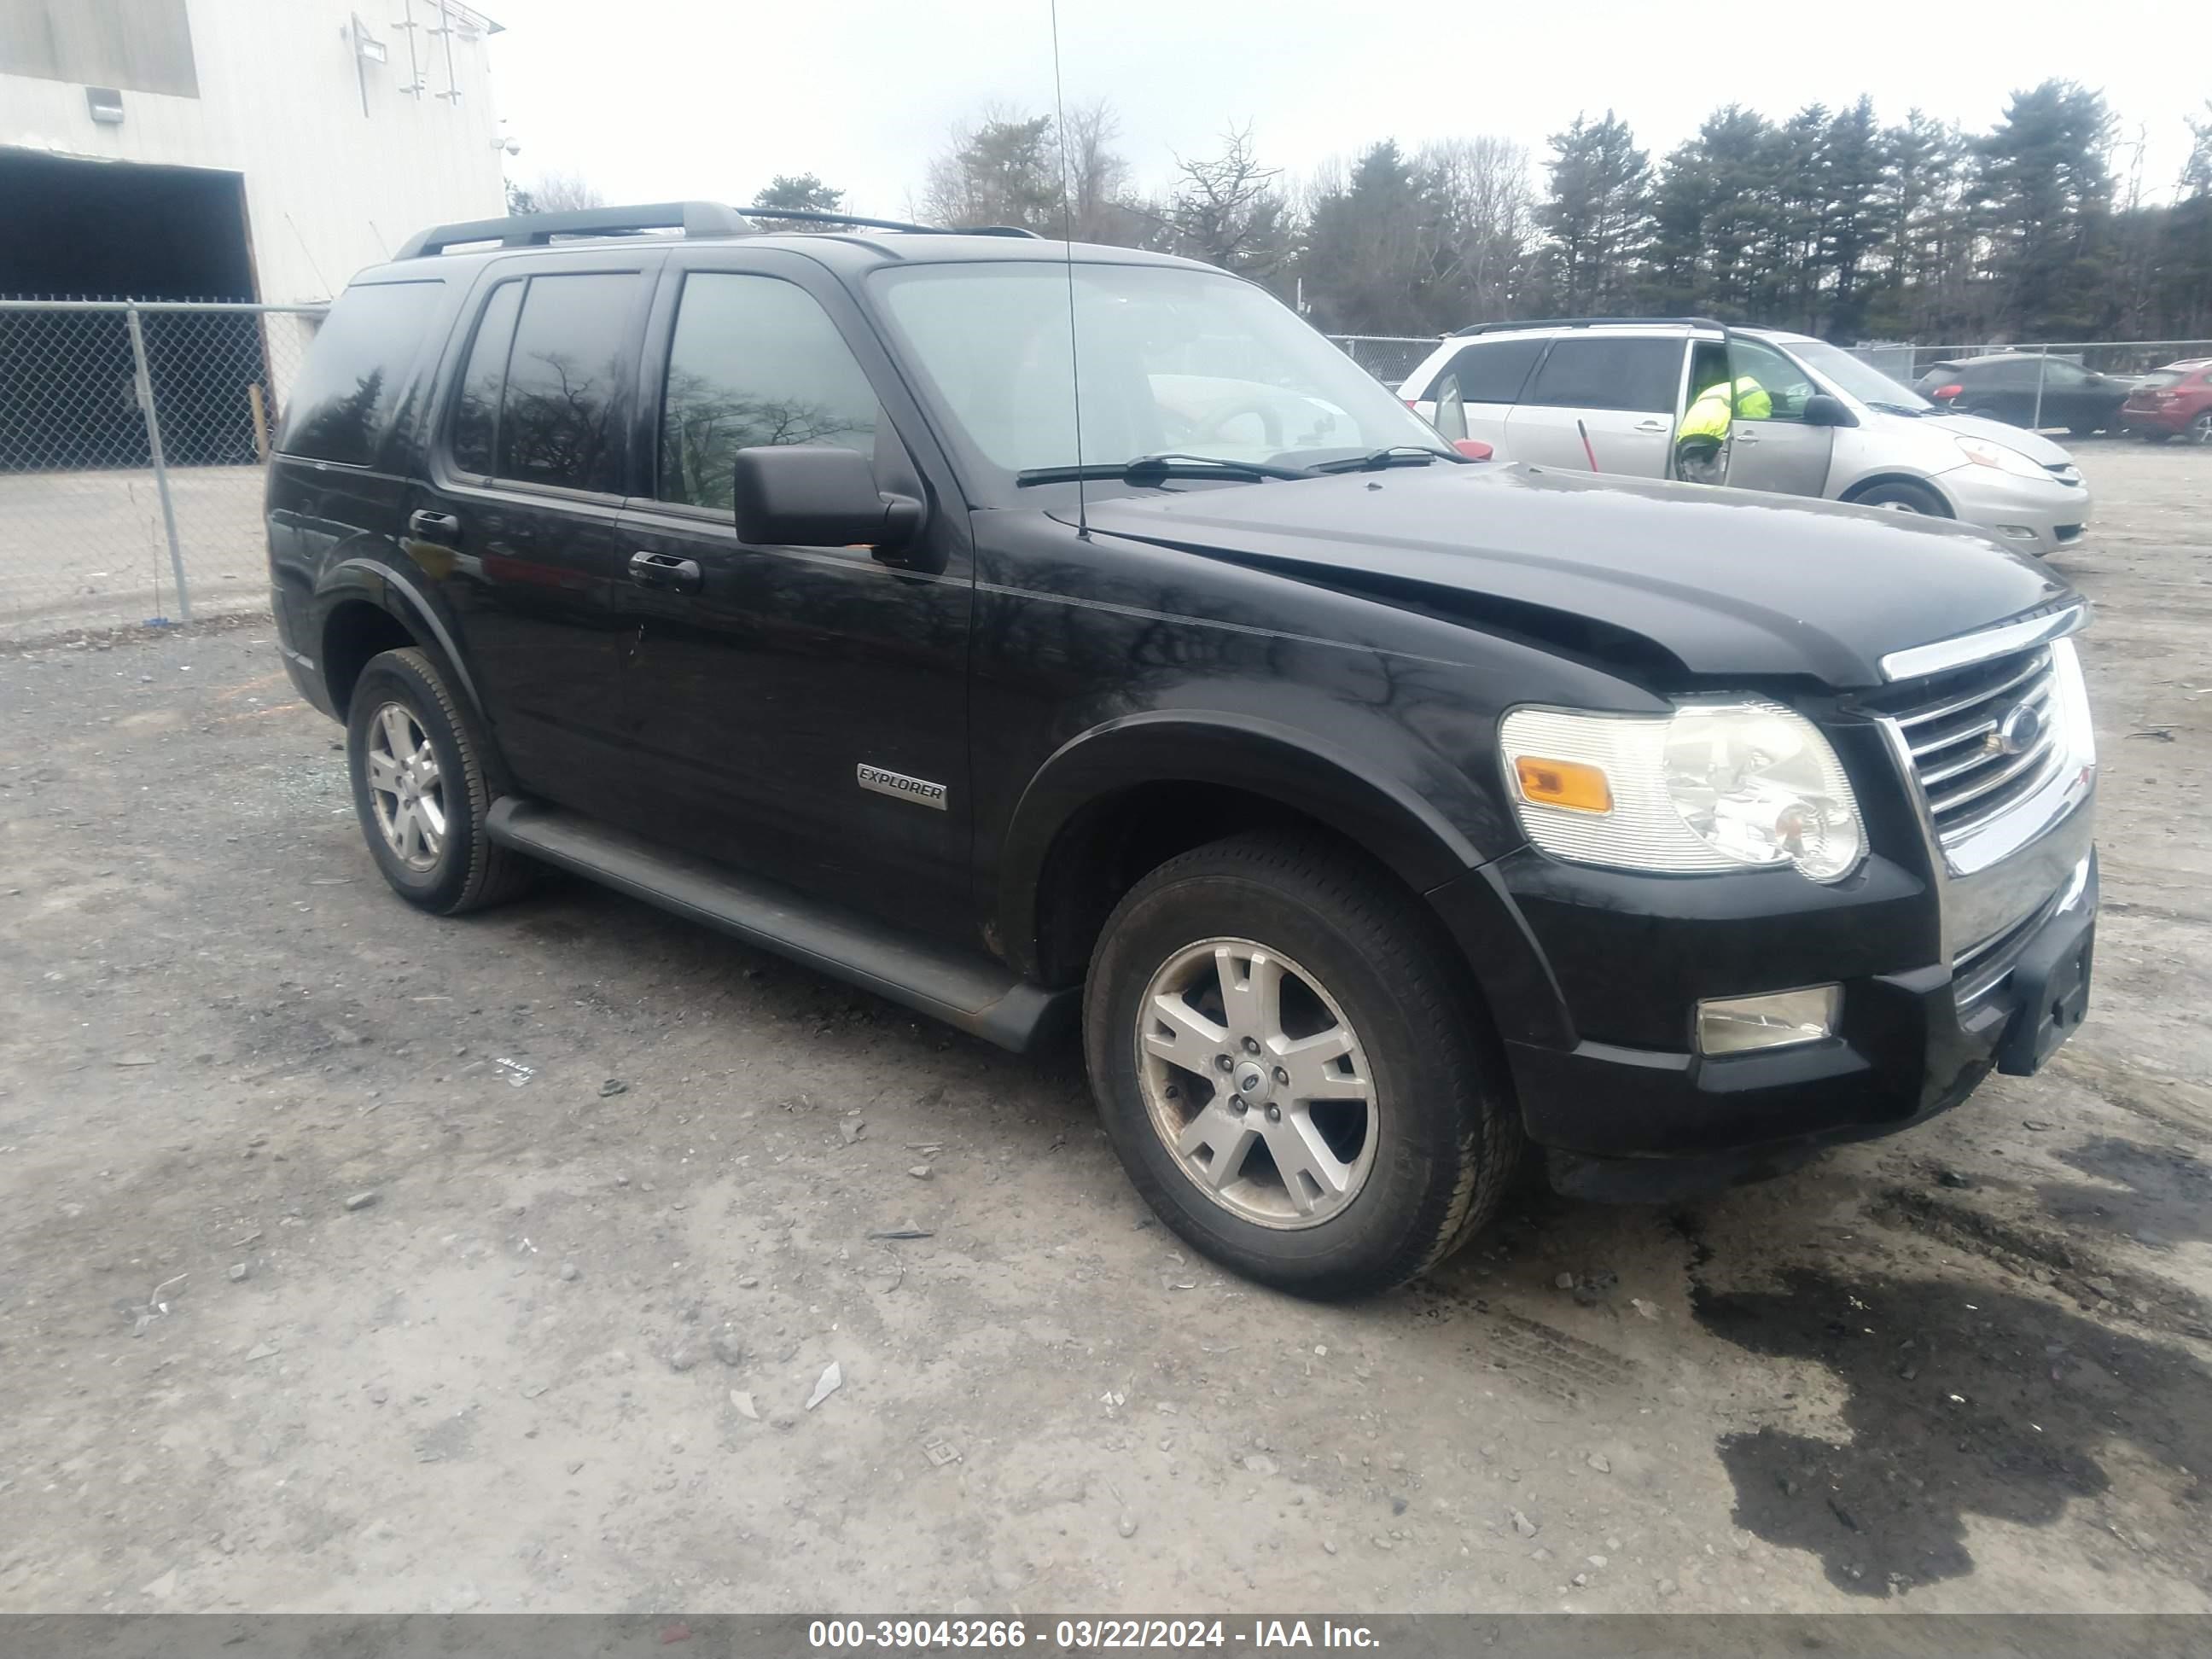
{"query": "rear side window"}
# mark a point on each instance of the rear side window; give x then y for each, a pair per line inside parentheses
(560, 418)
(1643, 375)
(1495, 371)
(755, 361)
(342, 405)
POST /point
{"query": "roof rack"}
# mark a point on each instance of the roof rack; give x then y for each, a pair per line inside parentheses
(1586, 322)
(692, 218)
(811, 215)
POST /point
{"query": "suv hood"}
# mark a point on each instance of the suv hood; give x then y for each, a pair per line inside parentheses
(1726, 582)
(2033, 445)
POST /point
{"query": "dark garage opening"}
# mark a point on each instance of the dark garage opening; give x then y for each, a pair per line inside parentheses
(111, 230)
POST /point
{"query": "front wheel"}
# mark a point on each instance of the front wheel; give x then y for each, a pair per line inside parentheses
(1904, 497)
(1288, 1056)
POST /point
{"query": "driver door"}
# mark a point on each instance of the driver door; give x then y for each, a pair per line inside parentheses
(1779, 452)
(767, 689)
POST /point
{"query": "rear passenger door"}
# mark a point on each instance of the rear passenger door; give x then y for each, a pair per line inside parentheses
(767, 684)
(1624, 390)
(530, 464)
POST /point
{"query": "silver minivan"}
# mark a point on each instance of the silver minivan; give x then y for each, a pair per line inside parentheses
(1623, 396)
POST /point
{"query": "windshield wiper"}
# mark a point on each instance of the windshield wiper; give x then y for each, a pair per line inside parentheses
(1375, 460)
(1897, 408)
(1149, 469)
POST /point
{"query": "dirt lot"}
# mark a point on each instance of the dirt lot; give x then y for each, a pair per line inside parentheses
(335, 1274)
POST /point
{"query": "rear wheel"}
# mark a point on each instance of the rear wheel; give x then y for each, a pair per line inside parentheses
(1902, 497)
(2200, 429)
(421, 787)
(1283, 1049)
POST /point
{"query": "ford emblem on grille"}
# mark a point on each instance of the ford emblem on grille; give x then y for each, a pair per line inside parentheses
(2017, 731)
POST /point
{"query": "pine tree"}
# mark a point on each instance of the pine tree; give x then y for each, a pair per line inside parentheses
(1598, 214)
(1363, 238)
(803, 190)
(2044, 179)
(1852, 163)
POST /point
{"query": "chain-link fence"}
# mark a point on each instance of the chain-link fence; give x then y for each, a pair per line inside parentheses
(132, 438)
(1389, 357)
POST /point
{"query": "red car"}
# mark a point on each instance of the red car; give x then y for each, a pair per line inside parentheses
(2173, 402)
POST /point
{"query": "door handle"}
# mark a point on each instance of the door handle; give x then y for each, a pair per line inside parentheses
(435, 526)
(1652, 425)
(667, 571)
(1745, 435)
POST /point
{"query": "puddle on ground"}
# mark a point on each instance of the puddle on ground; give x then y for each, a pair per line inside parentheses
(1960, 1400)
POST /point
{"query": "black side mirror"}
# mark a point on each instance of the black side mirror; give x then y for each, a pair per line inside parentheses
(818, 495)
(1822, 410)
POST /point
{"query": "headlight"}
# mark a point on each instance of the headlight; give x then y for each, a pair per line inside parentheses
(1714, 785)
(1983, 452)
(2072, 697)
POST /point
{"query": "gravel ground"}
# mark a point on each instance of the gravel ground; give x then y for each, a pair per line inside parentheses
(353, 1261)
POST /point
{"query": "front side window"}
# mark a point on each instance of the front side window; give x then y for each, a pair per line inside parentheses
(1171, 359)
(1595, 372)
(1786, 385)
(560, 412)
(755, 361)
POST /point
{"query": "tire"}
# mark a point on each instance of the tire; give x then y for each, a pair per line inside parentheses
(1903, 497)
(2200, 429)
(1411, 1172)
(401, 702)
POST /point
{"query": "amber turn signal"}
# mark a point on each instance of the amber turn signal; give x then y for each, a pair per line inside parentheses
(1562, 783)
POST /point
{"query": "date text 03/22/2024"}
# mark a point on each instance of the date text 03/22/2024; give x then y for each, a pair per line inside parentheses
(1087, 1635)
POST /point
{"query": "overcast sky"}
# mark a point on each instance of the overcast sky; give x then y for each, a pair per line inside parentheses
(651, 99)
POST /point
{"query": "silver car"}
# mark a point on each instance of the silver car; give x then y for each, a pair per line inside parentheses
(1622, 396)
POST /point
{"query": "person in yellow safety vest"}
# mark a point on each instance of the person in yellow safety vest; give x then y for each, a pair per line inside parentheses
(1700, 440)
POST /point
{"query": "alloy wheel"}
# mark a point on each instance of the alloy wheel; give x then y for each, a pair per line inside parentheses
(405, 788)
(2200, 429)
(1256, 1083)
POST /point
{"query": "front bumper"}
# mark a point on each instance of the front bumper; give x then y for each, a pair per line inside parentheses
(1613, 1087)
(2032, 515)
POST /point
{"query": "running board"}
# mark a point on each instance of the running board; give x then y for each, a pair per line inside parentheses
(964, 989)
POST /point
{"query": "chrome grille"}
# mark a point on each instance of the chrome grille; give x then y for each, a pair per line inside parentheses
(1950, 723)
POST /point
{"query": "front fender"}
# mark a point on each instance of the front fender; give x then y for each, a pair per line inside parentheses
(1421, 816)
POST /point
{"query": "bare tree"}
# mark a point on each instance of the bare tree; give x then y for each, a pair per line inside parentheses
(1483, 217)
(1008, 170)
(554, 193)
(1229, 211)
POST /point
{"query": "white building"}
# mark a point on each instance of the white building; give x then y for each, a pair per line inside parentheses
(234, 149)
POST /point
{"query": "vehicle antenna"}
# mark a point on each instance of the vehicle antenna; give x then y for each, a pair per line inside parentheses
(1068, 245)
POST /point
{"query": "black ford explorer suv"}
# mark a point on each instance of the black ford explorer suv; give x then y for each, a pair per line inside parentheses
(1373, 811)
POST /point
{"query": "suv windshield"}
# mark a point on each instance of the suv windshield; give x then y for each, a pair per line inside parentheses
(1191, 362)
(1842, 370)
